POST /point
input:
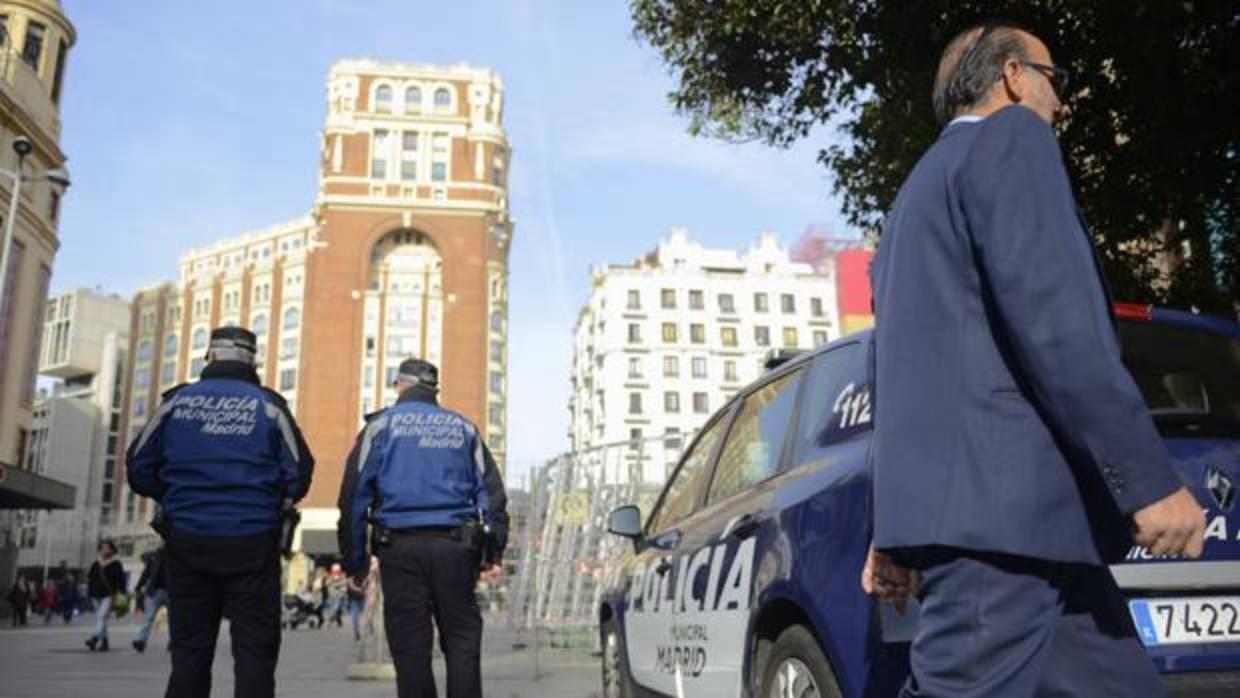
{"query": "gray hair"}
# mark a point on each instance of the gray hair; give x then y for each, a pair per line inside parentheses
(971, 65)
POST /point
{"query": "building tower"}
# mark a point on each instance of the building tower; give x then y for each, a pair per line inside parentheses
(412, 255)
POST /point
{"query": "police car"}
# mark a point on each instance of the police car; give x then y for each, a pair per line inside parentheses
(744, 578)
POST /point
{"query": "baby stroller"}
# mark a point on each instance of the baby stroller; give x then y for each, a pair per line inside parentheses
(298, 610)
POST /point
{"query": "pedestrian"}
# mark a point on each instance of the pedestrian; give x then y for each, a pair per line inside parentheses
(423, 475)
(357, 602)
(68, 597)
(317, 596)
(1013, 456)
(224, 458)
(19, 600)
(105, 583)
(152, 587)
(49, 603)
(337, 594)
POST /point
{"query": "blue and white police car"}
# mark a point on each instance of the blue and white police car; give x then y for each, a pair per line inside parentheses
(744, 578)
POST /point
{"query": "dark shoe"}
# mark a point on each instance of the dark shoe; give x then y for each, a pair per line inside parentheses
(103, 646)
(140, 646)
(92, 643)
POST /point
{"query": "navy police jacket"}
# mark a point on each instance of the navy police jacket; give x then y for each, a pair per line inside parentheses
(1005, 420)
(418, 465)
(221, 455)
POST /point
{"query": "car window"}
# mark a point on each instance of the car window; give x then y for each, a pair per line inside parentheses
(685, 488)
(1190, 379)
(753, 446)
(837, 402)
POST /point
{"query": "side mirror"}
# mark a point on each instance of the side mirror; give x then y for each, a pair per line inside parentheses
(626, 521)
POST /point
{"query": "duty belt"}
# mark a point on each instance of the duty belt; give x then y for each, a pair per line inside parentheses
(453, 533)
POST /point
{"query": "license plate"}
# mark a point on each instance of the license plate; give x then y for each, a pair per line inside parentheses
(1189, 620)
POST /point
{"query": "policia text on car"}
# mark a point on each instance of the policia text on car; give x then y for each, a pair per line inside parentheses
(422, 478)
(225, 460)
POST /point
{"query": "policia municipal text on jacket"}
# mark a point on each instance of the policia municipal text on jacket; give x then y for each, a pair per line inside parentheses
(223, 457)
(422, 477)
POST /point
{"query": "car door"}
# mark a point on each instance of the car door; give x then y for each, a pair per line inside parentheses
(717, 562)
(653, 660)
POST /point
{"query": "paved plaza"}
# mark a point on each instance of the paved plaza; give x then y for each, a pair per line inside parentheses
(42, 662)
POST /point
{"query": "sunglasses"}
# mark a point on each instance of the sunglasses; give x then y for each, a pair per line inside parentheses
(1056, 76)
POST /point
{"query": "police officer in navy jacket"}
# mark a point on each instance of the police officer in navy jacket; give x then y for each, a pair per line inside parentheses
(1013, 454)
(223, 457)
(423, 478)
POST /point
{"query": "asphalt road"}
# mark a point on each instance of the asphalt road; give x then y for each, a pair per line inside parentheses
(38, 662)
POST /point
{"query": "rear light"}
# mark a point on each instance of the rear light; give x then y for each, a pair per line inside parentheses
(1134, 311)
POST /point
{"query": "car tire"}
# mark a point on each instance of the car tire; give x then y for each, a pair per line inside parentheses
(617, 682)
(797, 668)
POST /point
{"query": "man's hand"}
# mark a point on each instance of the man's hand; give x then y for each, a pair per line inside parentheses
(888, 581)
(1174, 525)
(491, 573)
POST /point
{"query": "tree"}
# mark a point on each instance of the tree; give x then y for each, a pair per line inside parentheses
(1152, 138)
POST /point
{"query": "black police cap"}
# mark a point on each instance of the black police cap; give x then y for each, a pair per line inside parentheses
(233, 337)
(419, 371)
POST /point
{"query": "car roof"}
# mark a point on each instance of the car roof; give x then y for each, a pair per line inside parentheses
(804, 357)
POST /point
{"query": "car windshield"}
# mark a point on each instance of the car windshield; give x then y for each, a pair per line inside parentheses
(1190, 378)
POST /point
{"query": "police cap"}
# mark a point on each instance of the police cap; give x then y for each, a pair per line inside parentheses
(418, 372)
(232, 344)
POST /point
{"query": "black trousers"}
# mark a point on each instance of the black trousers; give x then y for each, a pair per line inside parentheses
(1003, 625)
(208, 579)
(425, 577)
(19, 615)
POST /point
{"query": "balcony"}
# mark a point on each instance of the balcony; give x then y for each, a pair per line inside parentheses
(20, 84)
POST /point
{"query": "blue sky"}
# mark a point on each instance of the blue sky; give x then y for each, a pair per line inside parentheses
(185, 122)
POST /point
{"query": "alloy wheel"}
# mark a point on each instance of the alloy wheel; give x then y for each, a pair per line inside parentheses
(611, 667)
(794, 680)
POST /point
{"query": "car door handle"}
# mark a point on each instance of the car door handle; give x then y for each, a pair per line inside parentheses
(743, 527)
(664, 567)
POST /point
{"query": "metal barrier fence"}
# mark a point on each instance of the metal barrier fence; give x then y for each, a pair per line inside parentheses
(566, 557)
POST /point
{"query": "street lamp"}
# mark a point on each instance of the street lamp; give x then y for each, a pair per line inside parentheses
(58, 176)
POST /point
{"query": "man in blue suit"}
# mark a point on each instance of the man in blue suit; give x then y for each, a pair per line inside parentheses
(1014, 456)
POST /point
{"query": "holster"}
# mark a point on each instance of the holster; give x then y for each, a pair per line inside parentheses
(159, 524)
(380, 537)
(289, 519)
(472, 535)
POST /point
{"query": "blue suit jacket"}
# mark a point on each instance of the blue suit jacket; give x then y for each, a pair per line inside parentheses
(1005, 421)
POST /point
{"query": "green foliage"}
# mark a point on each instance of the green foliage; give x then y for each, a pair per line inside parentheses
(1152, 138)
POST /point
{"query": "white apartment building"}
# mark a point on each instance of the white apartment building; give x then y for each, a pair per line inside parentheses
(664, 341)
(75, 430)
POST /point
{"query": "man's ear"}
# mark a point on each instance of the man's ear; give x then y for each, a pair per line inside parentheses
(1014, 85)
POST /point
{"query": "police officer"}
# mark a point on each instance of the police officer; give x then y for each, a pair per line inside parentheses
(423, 478)
(225, 460)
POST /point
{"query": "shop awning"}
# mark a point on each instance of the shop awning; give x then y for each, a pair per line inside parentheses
(22, 489)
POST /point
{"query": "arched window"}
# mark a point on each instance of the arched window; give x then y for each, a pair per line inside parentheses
(413, 98)
(170, 345)
(383, 98)
(292, 318)
(199, 340)
(443, 98)
(258, 325)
